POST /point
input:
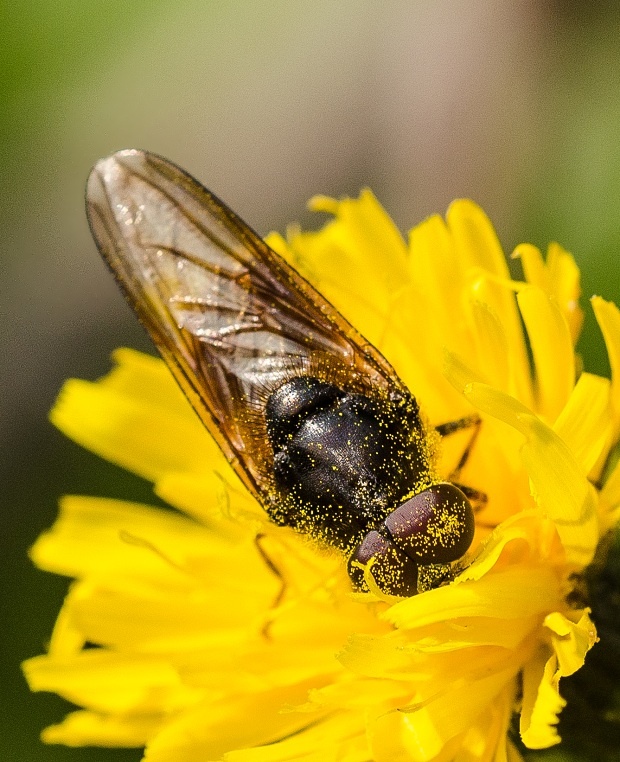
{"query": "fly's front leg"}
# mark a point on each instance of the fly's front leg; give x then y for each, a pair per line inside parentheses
(476, 497)
(451, 427)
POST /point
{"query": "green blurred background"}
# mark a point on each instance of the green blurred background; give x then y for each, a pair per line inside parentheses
(515, 104)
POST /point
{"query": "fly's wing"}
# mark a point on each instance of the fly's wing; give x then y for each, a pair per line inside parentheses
(231, 318)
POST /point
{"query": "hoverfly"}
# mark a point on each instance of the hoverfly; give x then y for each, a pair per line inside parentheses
(312, 417)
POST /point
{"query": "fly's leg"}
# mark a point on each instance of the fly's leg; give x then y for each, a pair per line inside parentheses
(446, 429)
(451, 427)
(477, 498)
(258, 541)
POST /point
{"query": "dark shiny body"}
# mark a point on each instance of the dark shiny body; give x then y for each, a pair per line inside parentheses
(355, 472)
(342, 461)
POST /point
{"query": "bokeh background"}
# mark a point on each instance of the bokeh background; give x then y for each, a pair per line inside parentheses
(514, 103)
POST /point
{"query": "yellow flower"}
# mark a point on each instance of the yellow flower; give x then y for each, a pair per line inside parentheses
(198, 655)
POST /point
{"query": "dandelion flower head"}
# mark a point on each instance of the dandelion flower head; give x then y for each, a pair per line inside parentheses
(174, 635)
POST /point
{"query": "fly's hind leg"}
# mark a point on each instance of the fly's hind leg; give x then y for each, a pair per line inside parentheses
(273, 568)
(477, 498)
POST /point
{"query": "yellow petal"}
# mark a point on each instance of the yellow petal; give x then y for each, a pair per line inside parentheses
(533, 265)
(442, 293)
(210, 729)
(150, 434)
(405, 656)
(571, 641)
(584, 423)
(608, 317)
(360, 246)
(111, 683)
(477, 244)
(558, 277)
(475, 238)
(156, 385)
(610, 500)
(355, 692)
(565, 286)
(492, 346)
(91, 729)
(426, 733)
(552, 349)
(67, 639)
(398, 737)
(558, 484)
(442, 275)
(488, 738)
(94, 536)
(527, 535)
(364, 228)
(220, 503)
(427, 672)
(340, 738)
(508, 594)
(541, 703)
(172, 621)
(341, 260)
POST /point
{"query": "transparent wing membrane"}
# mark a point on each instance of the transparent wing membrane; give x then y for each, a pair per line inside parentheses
(231, 317)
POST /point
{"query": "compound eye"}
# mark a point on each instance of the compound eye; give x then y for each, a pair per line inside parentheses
(391, 569)
(434, 527)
